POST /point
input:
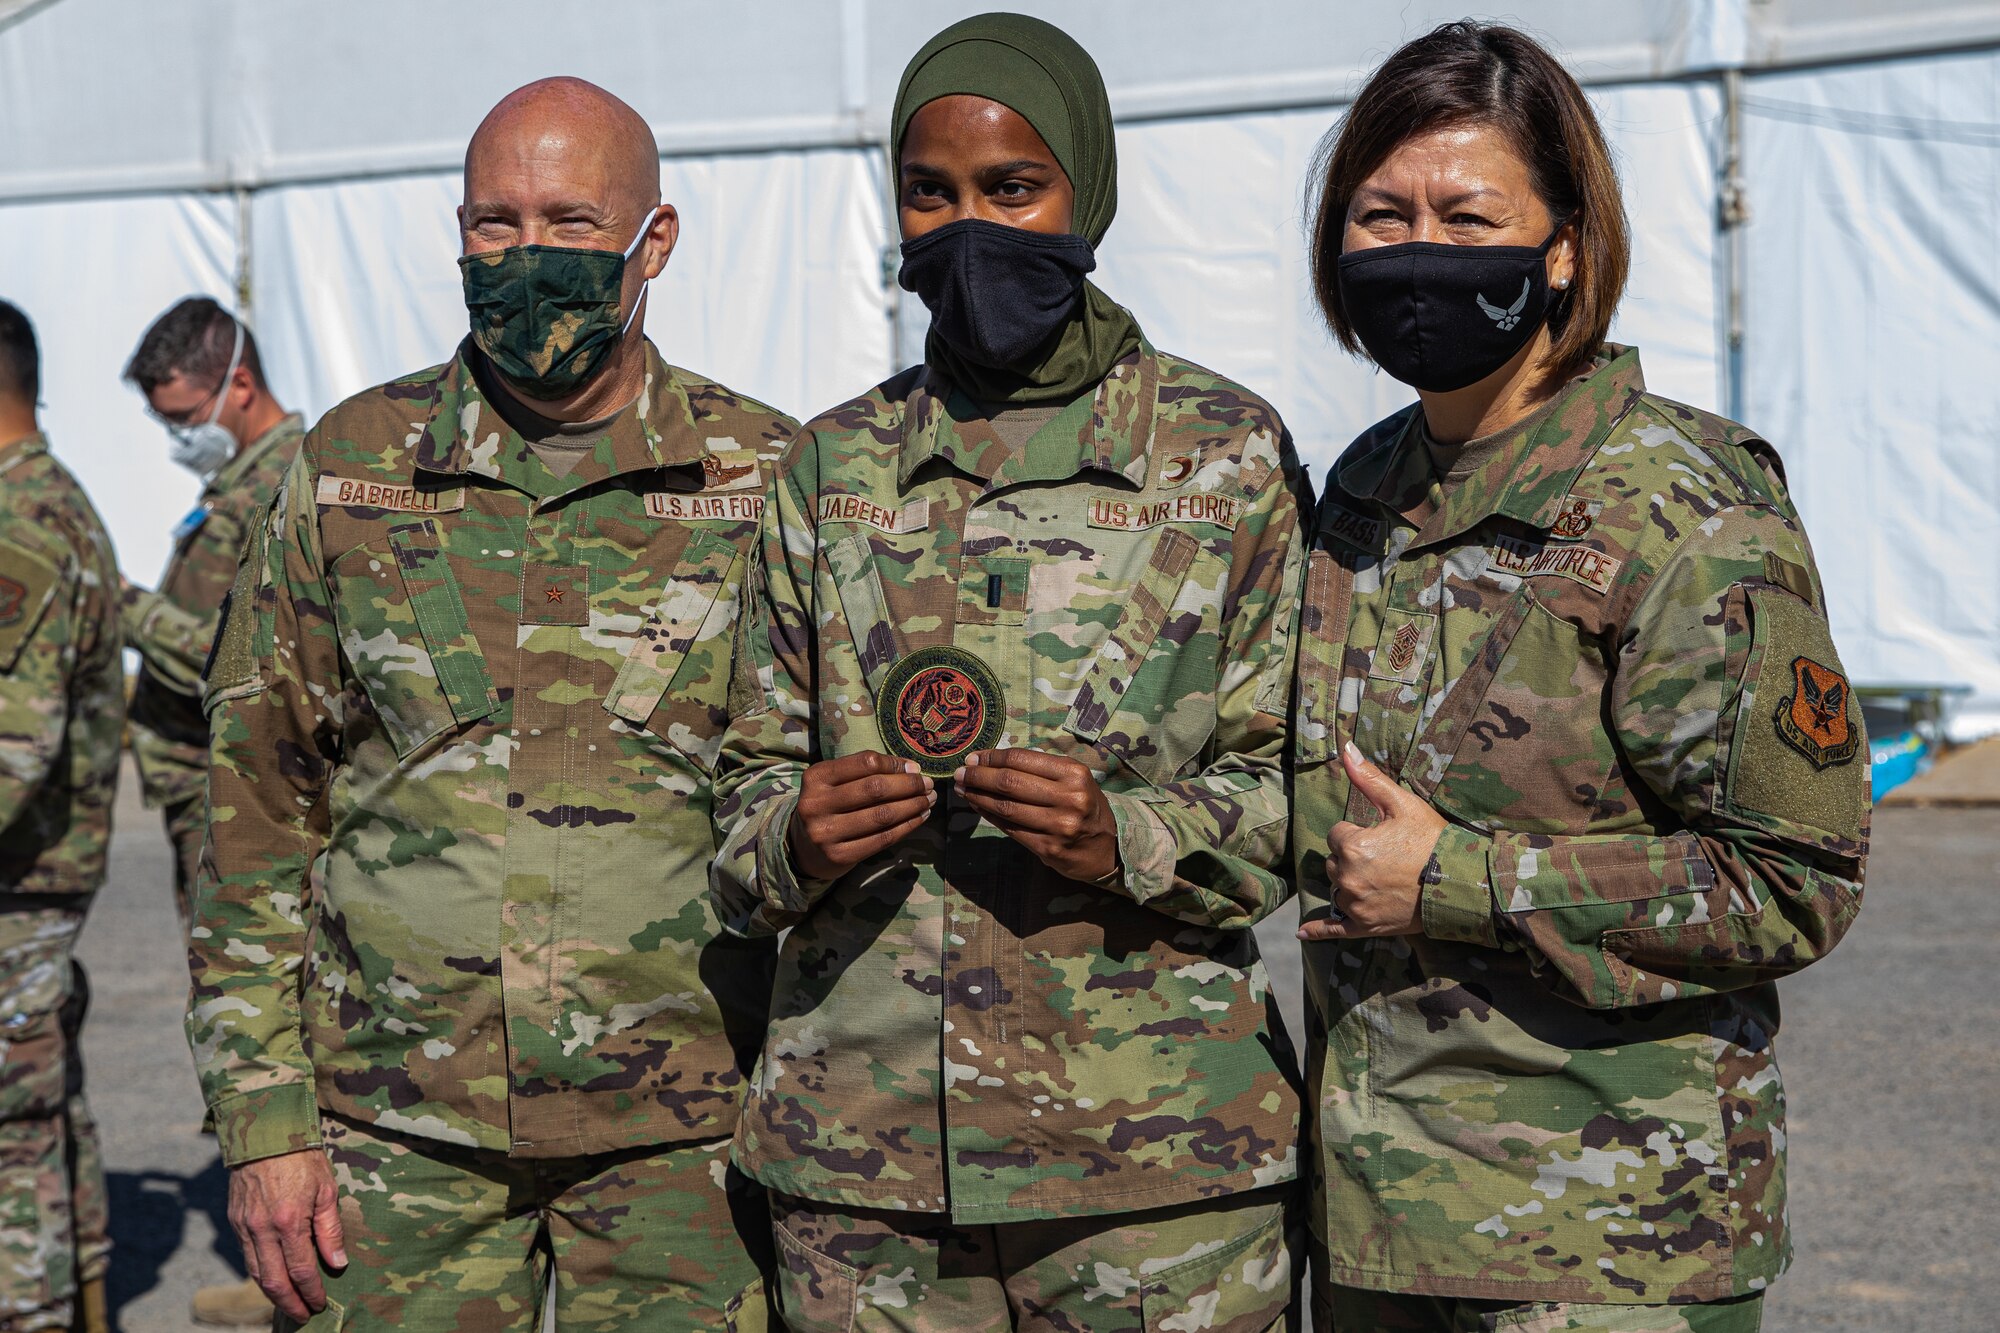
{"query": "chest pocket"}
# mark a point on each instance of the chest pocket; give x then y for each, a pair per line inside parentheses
(674, 681)
(408, 639)
(1148, 698)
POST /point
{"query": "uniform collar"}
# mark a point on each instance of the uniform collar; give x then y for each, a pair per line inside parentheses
(1525, 479)
(465, 433)
(1108, 431)
(291, 427)
(21, 450)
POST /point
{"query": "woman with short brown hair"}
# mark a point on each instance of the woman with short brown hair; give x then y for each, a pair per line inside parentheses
(1576, 767)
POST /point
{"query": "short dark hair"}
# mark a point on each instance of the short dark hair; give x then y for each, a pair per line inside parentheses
(20, 358)
(193, 339)
(1470, 73)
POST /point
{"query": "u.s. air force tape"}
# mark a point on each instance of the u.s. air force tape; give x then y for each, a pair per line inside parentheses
(937, 706)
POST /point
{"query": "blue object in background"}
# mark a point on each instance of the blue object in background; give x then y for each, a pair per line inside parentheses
(1896, 759)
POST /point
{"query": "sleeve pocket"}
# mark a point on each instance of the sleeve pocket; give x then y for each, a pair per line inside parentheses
(407, 639)
(675, 679)
(1322, 645)
(864, 605)
(440, 611)
(1139, 701)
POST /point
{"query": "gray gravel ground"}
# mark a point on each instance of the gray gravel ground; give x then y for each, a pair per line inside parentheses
(1891, 1053)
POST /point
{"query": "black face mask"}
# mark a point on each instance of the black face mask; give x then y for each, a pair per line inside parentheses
(996, 294)
(1440, 317)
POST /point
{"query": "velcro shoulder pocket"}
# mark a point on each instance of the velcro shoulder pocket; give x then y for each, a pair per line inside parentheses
(1795, 745)
(243, 631)
(28, 583)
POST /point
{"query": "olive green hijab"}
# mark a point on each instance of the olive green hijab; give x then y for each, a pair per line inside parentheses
(1037, 71)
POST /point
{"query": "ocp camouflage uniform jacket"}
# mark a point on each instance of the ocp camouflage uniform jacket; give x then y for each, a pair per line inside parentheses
(1604, 659)
(492, 697)
(955, 1028)
(172, 627)
(62, 707)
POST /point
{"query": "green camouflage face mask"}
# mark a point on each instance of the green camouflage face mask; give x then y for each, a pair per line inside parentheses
(545, 315)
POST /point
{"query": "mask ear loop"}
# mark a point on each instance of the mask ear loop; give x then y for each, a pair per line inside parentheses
(640, 303)
(235, 360)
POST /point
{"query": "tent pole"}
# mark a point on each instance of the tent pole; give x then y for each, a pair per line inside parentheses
(1732, 215)
(243, 253)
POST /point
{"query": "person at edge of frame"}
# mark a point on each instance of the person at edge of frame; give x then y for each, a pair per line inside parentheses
(202, 375)
(478, 654)
(1578, 774)
(62, 712)
(1006, 761)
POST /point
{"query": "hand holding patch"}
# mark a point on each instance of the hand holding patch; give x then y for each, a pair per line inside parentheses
(1049, 804)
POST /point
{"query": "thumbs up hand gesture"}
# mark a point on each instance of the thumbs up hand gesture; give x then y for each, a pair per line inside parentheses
(1377, 873)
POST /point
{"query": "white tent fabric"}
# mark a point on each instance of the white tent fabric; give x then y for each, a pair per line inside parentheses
(311, 152)
(1874, 347)
(1222, 275)
(90, 274)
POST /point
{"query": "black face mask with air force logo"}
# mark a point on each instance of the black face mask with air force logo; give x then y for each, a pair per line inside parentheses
(1440, 317)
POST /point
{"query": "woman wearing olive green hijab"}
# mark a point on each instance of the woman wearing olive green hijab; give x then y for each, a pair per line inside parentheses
(1009, 770)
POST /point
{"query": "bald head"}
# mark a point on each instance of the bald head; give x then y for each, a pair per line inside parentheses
(559, 162)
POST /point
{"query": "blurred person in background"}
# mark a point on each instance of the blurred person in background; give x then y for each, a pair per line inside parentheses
(199, 369)
(62, 706)
(203, 379)
(1578, 775)
(479, 655)
(1008, 767)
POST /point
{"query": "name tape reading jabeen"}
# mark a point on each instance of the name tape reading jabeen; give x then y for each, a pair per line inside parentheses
(1132, 515)
(398, 496)
(701, 506)
(912, 517)
(1591, 568)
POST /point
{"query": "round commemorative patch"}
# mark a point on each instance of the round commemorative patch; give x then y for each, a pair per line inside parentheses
(938, 705)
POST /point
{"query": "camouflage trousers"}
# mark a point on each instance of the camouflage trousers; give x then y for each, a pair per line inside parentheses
(54, 1219)
(1352, 1310)
(185, 821)
(1221, 1266)
(442, 1239)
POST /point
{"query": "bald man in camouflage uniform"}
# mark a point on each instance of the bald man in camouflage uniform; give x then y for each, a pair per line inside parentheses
(479, 656)
(62, 705)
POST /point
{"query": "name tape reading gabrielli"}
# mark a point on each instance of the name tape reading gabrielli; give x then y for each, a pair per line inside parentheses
(399, 496)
